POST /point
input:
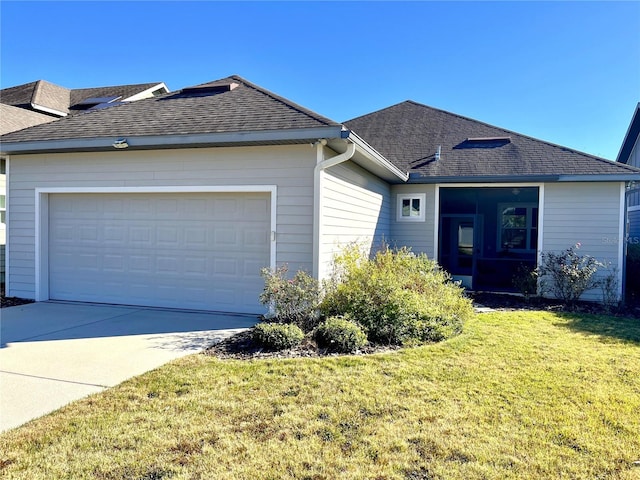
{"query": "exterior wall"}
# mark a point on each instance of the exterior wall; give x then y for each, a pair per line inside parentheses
(419, 236)
(589, 214)
(355, 207)
(289, 168)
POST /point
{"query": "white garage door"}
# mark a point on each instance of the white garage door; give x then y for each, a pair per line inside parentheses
(180, 250)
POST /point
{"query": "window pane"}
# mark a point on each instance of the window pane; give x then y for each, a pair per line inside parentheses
(406, 207)
(514, 220)
(514, 238)
(534, 217)
(415, 207)
(3, 215)
(3, 201)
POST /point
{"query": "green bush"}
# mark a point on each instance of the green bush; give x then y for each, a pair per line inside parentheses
(277, 336)
(291, 300)
(340, 335)
(567, 275)
(398, 297)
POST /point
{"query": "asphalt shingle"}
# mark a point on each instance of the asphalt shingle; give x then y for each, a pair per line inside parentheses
(245, 108)
(409, 134)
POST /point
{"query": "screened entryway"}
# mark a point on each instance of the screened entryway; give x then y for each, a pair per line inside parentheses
(487, 235)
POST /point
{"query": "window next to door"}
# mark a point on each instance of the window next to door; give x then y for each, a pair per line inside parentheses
(411, 207)
(517, 227)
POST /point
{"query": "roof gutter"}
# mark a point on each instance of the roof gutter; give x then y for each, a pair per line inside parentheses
(147, 142)
(621, 177)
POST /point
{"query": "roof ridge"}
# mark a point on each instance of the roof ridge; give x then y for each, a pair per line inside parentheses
(284, 101)
(116, 86)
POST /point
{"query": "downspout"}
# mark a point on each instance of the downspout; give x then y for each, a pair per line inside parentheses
(318, 175)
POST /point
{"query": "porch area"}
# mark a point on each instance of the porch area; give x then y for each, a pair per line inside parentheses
(487, 235)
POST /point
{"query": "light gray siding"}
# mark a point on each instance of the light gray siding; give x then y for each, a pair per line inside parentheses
(419, 236)
(355, 207)
(585, 213)
(290, 168)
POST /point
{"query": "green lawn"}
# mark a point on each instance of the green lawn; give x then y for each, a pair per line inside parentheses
(519, 395)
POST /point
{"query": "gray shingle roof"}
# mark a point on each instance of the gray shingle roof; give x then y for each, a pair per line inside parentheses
(245, 108)
(124, 91)
(15, 118)
(409, 135)
(41, 92)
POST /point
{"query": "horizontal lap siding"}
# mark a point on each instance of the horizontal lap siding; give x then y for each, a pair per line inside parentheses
(585, 213)
(290, 168)
(355, 208)
(419, 236)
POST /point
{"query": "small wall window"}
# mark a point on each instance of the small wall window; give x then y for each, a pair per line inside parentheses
(411, 207)
(518, 228)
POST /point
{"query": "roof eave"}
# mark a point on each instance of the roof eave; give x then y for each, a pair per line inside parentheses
(623, 177)
(370, 159)
(149, 142)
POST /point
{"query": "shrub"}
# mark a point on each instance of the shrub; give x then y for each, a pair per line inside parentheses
(568, 275)
(293, 300)
(397, 296)
(277, 336)
(340, 335)
(609, 285)
(526, 281)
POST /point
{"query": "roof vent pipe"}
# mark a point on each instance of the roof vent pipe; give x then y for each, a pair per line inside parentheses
(438, 152)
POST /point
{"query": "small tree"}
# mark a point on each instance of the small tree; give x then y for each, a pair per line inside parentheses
(567, 275)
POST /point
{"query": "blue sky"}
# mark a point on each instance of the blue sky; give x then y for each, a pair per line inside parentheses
(565, 72)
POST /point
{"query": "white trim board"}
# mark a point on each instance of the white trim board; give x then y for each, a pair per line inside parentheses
(42, 218)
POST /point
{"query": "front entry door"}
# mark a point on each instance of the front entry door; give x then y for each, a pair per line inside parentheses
(458, 247)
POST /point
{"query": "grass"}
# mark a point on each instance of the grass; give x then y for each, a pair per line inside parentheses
(519, 395)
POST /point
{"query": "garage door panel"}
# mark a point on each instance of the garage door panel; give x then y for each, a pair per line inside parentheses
(173, 250)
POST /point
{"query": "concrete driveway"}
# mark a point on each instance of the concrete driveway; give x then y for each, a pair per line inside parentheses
(53, 353)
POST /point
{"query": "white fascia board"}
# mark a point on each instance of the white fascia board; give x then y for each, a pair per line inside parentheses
(619, 177)
(171, 141)
(385, 168)
(146, 93)
(53, 111)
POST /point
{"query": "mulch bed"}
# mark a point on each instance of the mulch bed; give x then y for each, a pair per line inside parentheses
(241, 346)
(11, 301)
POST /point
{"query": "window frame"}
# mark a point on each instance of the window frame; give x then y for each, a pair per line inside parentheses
(528, 227)
(422, 199)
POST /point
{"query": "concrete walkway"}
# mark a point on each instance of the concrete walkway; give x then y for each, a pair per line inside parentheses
(53, 353)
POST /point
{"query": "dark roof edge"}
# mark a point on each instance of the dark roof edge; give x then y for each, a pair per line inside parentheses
(616, 177)
(630, 138)
(172, 141)
(285, 101)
